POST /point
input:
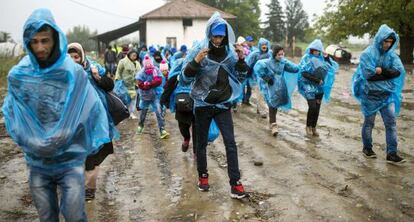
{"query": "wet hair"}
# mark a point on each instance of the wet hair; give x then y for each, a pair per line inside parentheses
(73, 50)
(276, 49)
(313, 50)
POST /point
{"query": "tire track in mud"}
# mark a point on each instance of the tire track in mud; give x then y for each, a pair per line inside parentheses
(298, 147)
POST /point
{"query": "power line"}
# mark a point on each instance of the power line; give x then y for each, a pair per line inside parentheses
(100, 10)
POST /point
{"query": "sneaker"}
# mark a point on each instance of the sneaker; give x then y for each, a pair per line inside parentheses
(203, 183)
(274, 130)
(185, 145)
(369, 153)
(237, 191)
(309, 131)
(133, 116)
(140, 129)
(393, 158)
(315, 132)
(89, 194)
(163, 134)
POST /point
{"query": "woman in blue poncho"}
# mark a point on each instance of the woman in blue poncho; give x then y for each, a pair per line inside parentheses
(315, 82)
(377, 84)
(275, 84)
(102, 84)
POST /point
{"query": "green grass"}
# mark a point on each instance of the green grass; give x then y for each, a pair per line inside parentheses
(5, 65)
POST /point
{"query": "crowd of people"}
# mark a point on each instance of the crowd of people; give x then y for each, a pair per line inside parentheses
(57, 107)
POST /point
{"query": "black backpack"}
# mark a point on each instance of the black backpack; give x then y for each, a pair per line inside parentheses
(118, 110)
(183, 102)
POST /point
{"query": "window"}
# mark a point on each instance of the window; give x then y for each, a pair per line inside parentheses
(172, 41)
(187, 22)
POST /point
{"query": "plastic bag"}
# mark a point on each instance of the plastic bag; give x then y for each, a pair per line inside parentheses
(121, 91)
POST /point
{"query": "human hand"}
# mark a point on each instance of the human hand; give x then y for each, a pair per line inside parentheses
(200, 56)
(95, 73)
(240, 51)
(378, 70)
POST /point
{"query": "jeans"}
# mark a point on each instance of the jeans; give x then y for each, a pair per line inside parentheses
(43, 187)
(272, 115)
(247, 93)
(224, 121)
(313, 111)
(155, 104)
(185, 132)
(387, 114)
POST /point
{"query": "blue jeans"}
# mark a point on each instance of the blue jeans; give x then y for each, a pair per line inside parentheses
(247, 92)
(388, 117)
(43, 187)
(224, 121)
(155, 105)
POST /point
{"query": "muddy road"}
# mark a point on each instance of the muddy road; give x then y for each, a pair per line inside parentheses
(301, 179)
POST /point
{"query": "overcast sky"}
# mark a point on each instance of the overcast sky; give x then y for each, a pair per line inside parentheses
(94, 13)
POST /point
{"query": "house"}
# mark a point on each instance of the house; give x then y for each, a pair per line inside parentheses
(175, 23)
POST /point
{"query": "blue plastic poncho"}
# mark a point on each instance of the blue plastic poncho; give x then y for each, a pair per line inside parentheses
(255, 56)
(373, 95)
(54, 114)
(113, 131)
(150, 94)
(121, 91)
(207, 76)
(309, 63)
(284, 74)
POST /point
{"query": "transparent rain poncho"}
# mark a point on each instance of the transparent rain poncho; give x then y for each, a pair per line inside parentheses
(257, 55)
(54, 114)
(284, 75)
(373, 95)
(309, 63)
(121, 91)
(207, 76)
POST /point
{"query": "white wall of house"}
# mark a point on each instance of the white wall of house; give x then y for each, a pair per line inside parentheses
(159, 30)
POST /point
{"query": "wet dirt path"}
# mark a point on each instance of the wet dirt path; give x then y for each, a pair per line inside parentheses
(301, 179)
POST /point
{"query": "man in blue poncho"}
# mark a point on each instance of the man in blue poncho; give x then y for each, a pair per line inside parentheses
(211, 66)
(377, 84)
(55, 115)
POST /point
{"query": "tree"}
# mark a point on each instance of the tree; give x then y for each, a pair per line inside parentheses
(296, 20)
(275, 24)
(247, 12)
(82, 35)
(5, 37)
(357, 17)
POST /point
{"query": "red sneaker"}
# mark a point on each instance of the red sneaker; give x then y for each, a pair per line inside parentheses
(203, 183)
(237, 191)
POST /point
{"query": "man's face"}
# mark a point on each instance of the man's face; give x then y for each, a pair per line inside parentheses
(387, 43)
(217, 40)
(76, 57)
(42, 45)
(264, 48)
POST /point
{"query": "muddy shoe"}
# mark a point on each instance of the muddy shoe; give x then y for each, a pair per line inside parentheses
(203, 183)
(140, 129)
(89, 194)
(309, 131)
(237, 191)
(369, 153)
(164, 134)
(315, 132)
(393, 158)
(185, 145)
(273, 129)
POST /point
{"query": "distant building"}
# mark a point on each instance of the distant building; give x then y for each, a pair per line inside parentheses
(175, 23)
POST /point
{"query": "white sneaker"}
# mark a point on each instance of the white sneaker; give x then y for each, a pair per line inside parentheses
(133, 116)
